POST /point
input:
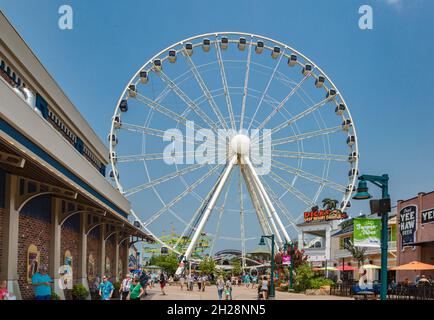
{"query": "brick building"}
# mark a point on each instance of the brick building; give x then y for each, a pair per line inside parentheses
(416, 233)
(56, 206)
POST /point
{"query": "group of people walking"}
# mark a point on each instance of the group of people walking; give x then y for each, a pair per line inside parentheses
(134, 287)
(191, 279)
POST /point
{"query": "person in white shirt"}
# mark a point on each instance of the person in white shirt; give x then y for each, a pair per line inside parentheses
(125, 287)
(190, 282)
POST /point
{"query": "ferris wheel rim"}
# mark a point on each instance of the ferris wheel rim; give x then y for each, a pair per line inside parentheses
(256, 36)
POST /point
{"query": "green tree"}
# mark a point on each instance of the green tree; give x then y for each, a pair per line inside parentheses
(207, 265)
(236, 267)
(358, 253)
(329, 204)
(169, 263)
(303, 277)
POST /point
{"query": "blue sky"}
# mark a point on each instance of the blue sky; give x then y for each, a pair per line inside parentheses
(385, 74)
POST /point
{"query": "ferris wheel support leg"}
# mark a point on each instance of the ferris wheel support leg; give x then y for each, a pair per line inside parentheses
(267, 199)
(208, 210)
(263, 223)
(268, 217)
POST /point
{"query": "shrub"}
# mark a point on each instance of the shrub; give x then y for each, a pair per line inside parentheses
(79, 292)
(317, 283)
(303, 277)
(283, 287)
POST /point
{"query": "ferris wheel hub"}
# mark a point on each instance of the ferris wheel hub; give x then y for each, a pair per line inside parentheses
(240, 144)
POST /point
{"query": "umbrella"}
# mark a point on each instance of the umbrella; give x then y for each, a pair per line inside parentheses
(370, 266)
(345, 268)
(414, 265)
(323, 269)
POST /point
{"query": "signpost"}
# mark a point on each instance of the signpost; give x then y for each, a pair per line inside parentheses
(286, 259)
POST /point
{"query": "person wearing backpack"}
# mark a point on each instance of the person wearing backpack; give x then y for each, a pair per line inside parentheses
(144, 281)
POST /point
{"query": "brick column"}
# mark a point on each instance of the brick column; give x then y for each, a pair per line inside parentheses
(102, 250)
(10, 238)
(55, 247)
(82, 252)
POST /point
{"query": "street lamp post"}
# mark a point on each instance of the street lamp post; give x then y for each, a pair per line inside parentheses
(262, 242)
(362, 194)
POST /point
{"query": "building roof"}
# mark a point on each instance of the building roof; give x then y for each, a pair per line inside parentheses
(11, 40)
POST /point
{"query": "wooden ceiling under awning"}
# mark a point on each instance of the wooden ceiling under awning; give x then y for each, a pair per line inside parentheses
(35, 171)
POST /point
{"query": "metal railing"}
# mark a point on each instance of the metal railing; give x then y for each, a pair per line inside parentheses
(342, 289)
(399, 292)
(411, 292)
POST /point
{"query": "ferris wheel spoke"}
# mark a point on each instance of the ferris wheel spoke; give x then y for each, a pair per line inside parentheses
(281, 206)
(297, 117)
(151, 156)
(142, 129)
(309, 155)
(238, 239)
(300, 195)
(307, 175)
(158, 133)
(225, 85)
(264, 93)
(205, 90)
(242, 226)
(165, 111)
(282, 103)
(179, 197)
(246, 84)
(220, 215)
(184, 97)
(307, 135)
(165, 178)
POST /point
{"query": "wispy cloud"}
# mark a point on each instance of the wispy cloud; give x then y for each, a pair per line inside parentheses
(396, 3)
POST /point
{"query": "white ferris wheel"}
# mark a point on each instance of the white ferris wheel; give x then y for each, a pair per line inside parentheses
(230, 135)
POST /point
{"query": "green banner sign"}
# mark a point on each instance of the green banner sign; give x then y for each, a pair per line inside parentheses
(367, 232)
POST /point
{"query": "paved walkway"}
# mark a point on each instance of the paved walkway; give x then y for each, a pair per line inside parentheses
(239, 293)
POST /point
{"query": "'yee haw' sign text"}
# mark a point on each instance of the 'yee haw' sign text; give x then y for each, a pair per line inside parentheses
(408, 224)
